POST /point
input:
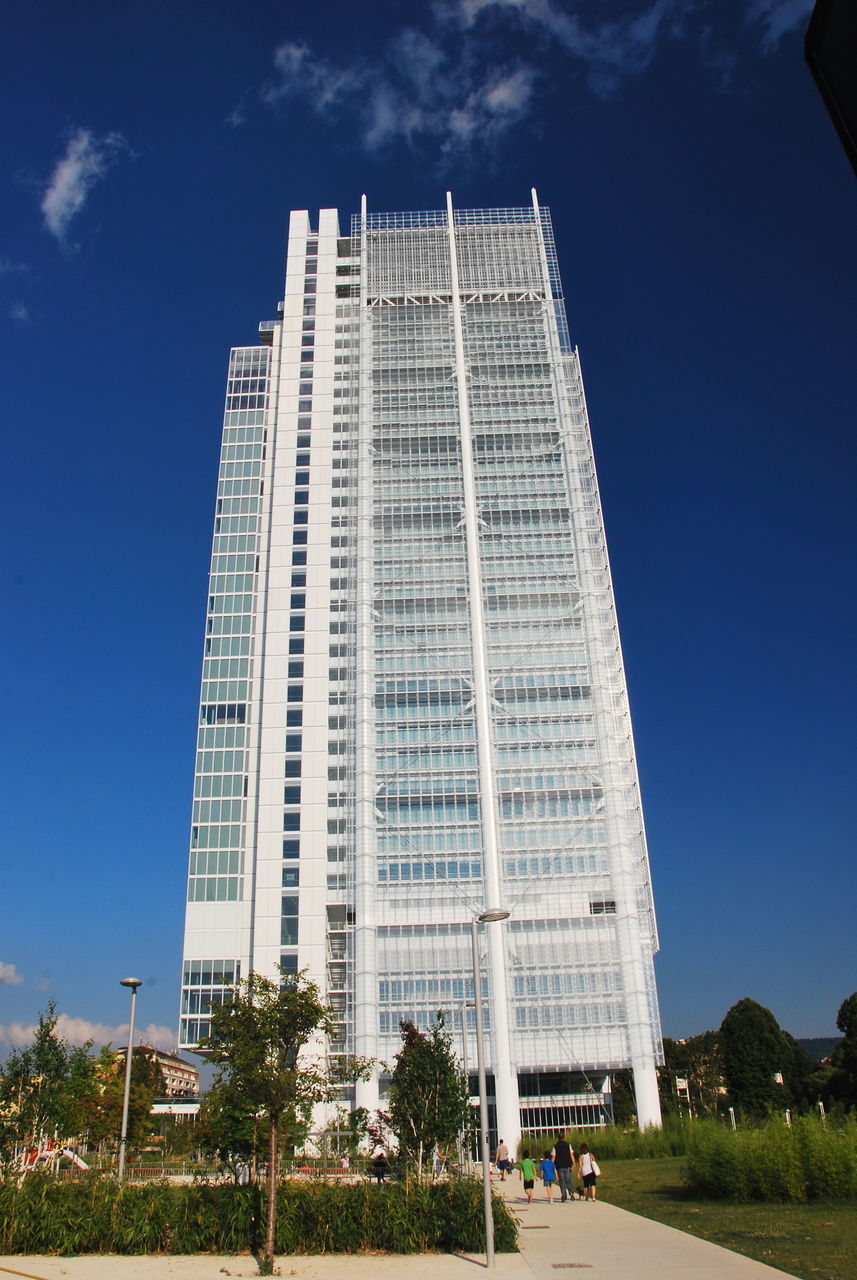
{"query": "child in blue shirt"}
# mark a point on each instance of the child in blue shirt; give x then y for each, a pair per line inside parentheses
(547, 1169)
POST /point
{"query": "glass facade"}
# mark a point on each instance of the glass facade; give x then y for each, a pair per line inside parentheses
(413, 631)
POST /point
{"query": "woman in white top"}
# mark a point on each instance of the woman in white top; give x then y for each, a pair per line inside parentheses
(588, 1171)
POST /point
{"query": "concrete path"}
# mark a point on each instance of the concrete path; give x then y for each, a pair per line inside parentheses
(596, 1239)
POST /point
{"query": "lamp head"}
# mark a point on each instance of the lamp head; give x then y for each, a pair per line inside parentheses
(492, 914)
(133, 983)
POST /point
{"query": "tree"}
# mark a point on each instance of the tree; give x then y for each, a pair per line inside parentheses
(44, 1087)
(754, 1053)
(698, 1061)
(429, 1098)
(842, 1086)
(256, 1038)
(229, 1128)
(103, 1100)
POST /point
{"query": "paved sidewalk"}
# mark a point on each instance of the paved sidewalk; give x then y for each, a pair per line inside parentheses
(596, 1239)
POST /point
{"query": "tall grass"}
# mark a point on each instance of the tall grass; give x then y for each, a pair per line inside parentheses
(613, 1143)
(95, 1215)
(809, 1161)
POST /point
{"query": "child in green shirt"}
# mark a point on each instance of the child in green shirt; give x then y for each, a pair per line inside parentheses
(528, 1173)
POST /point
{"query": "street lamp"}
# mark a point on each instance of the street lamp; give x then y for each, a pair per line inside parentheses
(485, 917)
(466, 1144)
(133, 983)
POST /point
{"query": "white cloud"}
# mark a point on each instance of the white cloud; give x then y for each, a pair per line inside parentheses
(9, 974)
(469, 71)
(778, 17)
(20, 312)
(78, 1031)
(8, 268)
(418, 88)
(87, 159)
(303, 74)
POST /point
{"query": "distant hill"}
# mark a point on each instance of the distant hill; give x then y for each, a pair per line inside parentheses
(820, 1047)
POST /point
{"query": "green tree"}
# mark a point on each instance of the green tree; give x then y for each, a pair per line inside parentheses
(44, 1087)
(842, 1085)
(798, 1074)
(103, 1100)
(229, 1128)
(429, 1099)
(698, 1061)
(754, 1052)
(257, 1038)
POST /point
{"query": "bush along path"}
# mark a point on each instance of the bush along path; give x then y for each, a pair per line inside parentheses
(96, 1215)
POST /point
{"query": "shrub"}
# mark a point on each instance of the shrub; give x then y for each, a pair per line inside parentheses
(809, 1161)
(96, 1215)
(613, 1143)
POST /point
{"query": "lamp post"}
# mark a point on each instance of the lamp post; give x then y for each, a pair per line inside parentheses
(133, 983)
(466, 1145)
(485, 917)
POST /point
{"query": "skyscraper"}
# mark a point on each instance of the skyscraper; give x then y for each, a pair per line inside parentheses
(413, 700)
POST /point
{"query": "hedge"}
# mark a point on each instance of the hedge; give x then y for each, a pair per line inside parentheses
(96, 1215)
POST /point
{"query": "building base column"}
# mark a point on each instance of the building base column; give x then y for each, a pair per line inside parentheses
(648, 1098)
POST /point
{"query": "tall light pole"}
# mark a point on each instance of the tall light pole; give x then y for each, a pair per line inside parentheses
(485, 917)
(466, 1145)
(133, 983)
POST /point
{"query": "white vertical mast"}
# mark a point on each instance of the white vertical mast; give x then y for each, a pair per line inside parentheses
(505, 1076)
(365, 930)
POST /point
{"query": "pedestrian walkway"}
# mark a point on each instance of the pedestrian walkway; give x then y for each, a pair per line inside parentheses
(598, 1240)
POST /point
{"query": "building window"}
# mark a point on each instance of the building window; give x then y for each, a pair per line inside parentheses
(291, 848)
(296, 644)
(293, 769)
(291, 795)
(294, 741)
(296, 670)
(291, 822)
(289, 921)
(295, 693)
(294, 717)
(604, 907)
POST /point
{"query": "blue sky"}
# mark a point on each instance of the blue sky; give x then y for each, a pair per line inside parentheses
(704, 216)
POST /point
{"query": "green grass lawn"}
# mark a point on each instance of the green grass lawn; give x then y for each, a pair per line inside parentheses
(812, 1241)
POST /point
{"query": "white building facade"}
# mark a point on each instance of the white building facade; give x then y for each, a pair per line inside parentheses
(413, 701)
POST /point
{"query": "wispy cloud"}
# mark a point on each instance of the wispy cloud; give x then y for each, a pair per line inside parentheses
(87, 159)
(462, 73)
(80, 1031)
(9, 974)
(419, 88)
(8, 268)
(20, 313)
(777, 18)
(608, 51)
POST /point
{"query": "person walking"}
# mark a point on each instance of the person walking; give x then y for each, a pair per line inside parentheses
(379, 1166)
(528, 1173)
(589, 1172)
(547, 1168)
(502, 1160)
(563, 1158)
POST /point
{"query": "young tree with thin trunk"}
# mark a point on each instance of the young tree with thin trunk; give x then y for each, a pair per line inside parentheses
(256, 1038)
(429, 1097)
